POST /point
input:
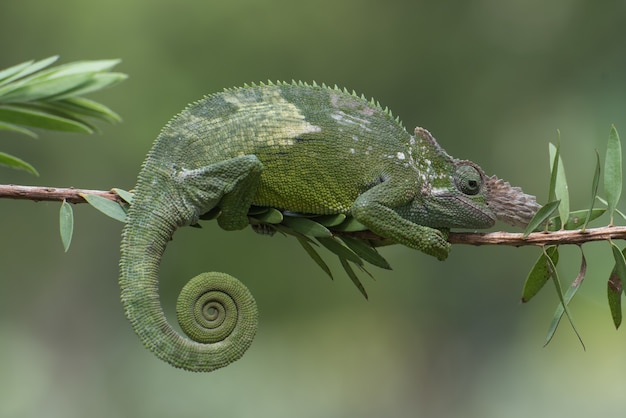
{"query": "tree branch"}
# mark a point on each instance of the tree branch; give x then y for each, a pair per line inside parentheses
(72, 195)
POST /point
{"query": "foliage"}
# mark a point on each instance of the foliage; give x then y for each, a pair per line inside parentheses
(558, 199)
(34, 96)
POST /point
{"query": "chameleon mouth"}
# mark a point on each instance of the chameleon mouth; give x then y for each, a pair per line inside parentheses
(510, 204)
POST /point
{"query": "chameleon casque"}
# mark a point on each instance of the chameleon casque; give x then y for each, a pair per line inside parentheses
(297, 148)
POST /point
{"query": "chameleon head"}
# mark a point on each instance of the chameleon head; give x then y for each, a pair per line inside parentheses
(459, 199)
(460, 195)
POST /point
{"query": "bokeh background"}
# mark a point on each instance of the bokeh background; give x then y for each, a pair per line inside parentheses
(493, 80)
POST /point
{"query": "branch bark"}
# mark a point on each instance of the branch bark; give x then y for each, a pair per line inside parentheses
(71, 195)
(469, 238)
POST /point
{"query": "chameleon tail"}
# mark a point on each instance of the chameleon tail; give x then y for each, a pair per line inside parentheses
(215, 310)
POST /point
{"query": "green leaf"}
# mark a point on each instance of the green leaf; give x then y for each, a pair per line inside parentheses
(353, 276)
(106, 206)
(350, 225)
(541, 216)
(14, 162)
(66, 224)
(576, 219)
(126, 195)
(16, 128)
(613, 171)
(539, 274)
(304, 242)
(343, 252)
(270, 216)
(330, 220)
(86, 107)
(615, 285)
(571, 291)
(366, 252)
(306, 227)
(95, 83)
(554, 167)
(94, 70)
(556, 318)
(594, 192)
(23, 115)
(8, 73)
(24, 69)
(43, 88)
(560, 183)
(614, 296)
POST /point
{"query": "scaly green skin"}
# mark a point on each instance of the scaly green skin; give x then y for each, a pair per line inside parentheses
(297, 148)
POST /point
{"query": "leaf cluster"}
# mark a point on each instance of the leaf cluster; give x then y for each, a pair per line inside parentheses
(545, 268)
(34, 95)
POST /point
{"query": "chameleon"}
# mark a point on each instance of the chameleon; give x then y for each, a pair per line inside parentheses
(298, 148)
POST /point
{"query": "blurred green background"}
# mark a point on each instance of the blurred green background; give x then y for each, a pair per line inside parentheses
(493, 80)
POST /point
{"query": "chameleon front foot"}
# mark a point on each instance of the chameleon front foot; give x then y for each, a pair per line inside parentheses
(216, 309)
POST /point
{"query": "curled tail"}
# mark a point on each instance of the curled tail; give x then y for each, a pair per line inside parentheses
(215, 310)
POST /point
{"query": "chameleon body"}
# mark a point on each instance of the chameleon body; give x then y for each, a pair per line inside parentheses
(298, 148)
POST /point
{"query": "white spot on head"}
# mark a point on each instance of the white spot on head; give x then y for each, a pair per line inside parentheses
(400, 156)
(352, 151)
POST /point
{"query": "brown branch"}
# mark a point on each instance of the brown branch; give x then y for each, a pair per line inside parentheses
(469, 238)
(538, 238)
(71, 195)
(517, 239)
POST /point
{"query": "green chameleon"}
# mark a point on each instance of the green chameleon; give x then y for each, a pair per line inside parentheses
(303, 150)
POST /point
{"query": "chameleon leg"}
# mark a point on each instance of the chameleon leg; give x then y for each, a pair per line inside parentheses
(374, 210)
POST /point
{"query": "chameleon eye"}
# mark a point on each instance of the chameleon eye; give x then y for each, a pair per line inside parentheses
(468, 180)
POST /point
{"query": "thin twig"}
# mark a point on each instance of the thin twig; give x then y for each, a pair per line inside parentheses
(71, 195)
(470, 238)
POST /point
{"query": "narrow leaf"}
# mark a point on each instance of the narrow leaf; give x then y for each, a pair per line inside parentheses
(330, 220)
(46, 87)
(22, 115)
(66, 224)
(353, 276)
(11, 71)
(557, 318)
(614, 296)
(270, 216)
(86, 107)
(314, 255)
(95, 83)
(615, 283)
(106, 206)
(306, 226)
(554, 166)
(541, 216)
(27, 69)
(571, 291)
(576, 219)
(613, 171)
(14, 162)
(350, 225)
(594, 192)
(560, 183)
(16, 128)
(366, 252)
(539, 274)
(343, 252)
(126, 195)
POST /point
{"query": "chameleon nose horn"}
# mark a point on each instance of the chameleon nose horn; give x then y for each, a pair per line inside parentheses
(510, 204)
